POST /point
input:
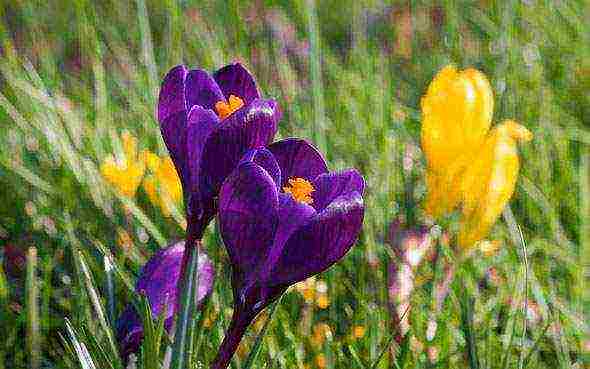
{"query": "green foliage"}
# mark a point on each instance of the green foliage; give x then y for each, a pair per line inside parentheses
(349, 76)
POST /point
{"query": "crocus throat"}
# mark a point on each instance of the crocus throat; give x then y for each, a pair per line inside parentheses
(300, 189)
(225, 109)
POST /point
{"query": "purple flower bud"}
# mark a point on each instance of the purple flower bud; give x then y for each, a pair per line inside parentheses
(158, 282)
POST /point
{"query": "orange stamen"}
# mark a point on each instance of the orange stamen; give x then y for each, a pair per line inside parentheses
(225, 109)
(300, 189)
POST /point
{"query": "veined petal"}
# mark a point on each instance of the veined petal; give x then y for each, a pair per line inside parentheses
(172, 99)
(234, 79)
(248, 205)
(329, 186)
(201, 89)
(248, 128)
(291, 215)
(172, 117)
(324, 240)
(298, 158)
(201, 123)
(264, 158)
(174, 133)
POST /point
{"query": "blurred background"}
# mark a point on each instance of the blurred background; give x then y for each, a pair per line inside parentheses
(88, 194)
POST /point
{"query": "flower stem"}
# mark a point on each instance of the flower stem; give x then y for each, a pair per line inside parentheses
(238, 326)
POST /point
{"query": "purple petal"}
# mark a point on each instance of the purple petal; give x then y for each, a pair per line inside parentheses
(201, 122)
(158, 282)
(291, 216)
(129, 332)
(172, 118)
(202, 90)
(248, 128)
(329, 186)
(266, 160)
(248, 204)
(234, 79)
(171, 100)
(320, 243)
(298, 158)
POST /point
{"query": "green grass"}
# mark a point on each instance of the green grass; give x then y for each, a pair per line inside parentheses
(349, 76)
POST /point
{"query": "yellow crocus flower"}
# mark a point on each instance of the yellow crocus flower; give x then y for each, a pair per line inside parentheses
(163, 185)
(467, 163)
(124, 173)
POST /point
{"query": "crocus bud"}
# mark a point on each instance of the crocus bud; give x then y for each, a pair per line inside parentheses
(158, 282)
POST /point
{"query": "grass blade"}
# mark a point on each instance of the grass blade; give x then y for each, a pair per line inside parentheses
(258, 343)
(389, 341)
(33, 337)
(187, 309)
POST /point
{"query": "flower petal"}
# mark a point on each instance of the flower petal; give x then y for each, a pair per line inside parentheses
(266, 160)
(291, 216)
(320, 243)
(234, 79)
(248, 203)
(329, 186)
(488, 184)
(158, 281)
(171, 100)
(201, 123)
(248, 128)
(129, 332)
(201, 89)
(298, 158)
(172, 118)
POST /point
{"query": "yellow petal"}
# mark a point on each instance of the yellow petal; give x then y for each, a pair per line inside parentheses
(150, 188)
(169, 179)
(488, 184)
(456, 115)
(150, 159)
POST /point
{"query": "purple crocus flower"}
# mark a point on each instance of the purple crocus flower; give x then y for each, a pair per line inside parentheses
(208, 123)
(283, 218)
(157, 281)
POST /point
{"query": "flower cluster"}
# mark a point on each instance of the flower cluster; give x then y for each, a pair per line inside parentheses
(283, 216)
(126, 171)
(468, 163)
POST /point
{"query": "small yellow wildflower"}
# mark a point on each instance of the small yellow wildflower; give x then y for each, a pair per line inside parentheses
(163, 185)
(322, 301)
(467, 163)
(358, 331)
(124, 173)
